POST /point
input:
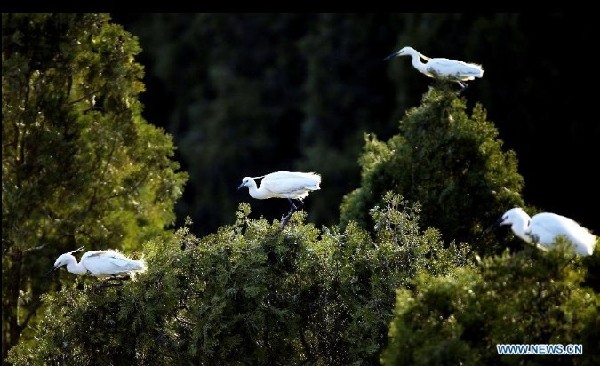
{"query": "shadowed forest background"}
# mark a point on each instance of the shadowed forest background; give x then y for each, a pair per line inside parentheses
(247, 94)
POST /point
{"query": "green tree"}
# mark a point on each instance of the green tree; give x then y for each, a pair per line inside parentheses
(251, 293)
(80, 166)
(448, 161)
(531, 297)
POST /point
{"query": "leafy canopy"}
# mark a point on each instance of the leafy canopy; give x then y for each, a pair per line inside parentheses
(450, 162)
(80, 166)
(531, 297)
(250, 293)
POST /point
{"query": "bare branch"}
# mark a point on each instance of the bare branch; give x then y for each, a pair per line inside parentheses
(40, 247)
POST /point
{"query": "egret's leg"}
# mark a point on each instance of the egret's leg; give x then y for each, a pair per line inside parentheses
(112, 281)
(285, 219)
(116, 280)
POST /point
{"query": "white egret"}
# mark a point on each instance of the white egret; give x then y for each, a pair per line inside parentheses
(100, 263)
(283, 184)
(454, 70)
(543, 229)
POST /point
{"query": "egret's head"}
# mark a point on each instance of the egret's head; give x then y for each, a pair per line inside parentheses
(63, 260)
(246, 182)
(406, 51)
(513, 215)
(508, 218)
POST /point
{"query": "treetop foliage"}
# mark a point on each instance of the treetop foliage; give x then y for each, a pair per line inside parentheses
(530, 297)
(250, 293)
(451, 162)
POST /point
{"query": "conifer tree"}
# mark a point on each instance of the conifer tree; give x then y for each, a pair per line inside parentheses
(530, 297)
(450, 162)
(251, 293)
(80, 166)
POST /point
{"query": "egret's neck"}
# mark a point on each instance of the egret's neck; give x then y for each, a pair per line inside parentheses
(255, 192)
(76, 268)
(416, 60)
(520, 227)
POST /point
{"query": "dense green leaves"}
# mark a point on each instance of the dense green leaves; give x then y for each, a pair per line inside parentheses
(531, 297)
(251, 293)
(80, 166)
(450, 162)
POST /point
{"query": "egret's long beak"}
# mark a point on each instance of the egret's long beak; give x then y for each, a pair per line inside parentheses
(493, 226)
(51, 271)
(241, 186)
(392, 56)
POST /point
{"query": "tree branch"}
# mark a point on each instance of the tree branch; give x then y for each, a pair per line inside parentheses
(40, 247)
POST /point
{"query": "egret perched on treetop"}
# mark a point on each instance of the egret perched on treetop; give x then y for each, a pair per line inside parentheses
(545, 227)
(454, 70)
(99, 263)
(283, 184)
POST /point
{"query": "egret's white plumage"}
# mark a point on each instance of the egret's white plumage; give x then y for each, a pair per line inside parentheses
(545, 227)
(282, 184)
(100, 263)
(454, 70)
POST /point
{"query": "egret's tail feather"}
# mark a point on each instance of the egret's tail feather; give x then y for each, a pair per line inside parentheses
(139, 267)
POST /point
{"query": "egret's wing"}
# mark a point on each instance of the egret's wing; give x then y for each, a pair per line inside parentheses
(92, 254)
(287, 182)
(550, 225)
(102, 253)
(442, 62)
(446, 67)
(108, 262)
(284, 174)
(447, 63)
